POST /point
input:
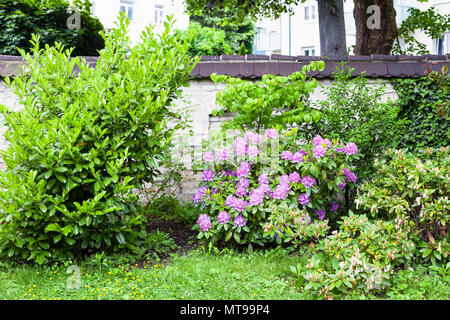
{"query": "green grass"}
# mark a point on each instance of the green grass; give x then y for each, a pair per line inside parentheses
(260, 275)
(194, 276)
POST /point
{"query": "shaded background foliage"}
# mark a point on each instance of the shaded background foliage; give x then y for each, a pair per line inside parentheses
(236, 35)
(48, 18)
(205, 41)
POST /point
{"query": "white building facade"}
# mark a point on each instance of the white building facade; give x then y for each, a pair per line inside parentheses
(141, 13)
(299, 34)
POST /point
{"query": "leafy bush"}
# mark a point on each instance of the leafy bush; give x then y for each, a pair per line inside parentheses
(414, 189)
(361, 255)
(205, 41)
(237, 197)
(418, 101)
(81, 143)
(239, 36)
(19, 19)
(352, 110)
(273, 102)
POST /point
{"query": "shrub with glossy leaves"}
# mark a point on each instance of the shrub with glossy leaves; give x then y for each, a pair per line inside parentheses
(359, 256)
(413, 188)
(82, 142)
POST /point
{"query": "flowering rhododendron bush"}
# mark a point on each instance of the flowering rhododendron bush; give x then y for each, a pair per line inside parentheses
(246, 180)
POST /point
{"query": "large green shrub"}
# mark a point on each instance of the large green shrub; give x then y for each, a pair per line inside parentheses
(419, 100)
(21, 18)
(413, 188)
(353, 110)
(82, 142)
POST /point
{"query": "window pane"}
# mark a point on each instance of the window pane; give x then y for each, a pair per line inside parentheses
(130, 13)
(313, 12)
(306, 13)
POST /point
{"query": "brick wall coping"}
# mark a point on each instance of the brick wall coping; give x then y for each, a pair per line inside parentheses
(254, 66)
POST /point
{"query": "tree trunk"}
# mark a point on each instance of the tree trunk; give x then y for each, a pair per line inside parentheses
(332, 28)
(376, 28)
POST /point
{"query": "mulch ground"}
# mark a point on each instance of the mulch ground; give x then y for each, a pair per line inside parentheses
(183, 236)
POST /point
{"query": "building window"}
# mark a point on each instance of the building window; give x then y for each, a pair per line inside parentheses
(310, 13)
(443, 44)
(93, 7)
(127, 6)
(308, 51)
(159, 14)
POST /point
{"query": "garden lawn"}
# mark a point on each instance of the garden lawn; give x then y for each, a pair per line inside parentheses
(194, 276)
(197, 275)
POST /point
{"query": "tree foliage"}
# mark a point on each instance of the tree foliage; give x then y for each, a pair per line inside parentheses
(238, 10)
(48, 19)
(205, 41)
(429, 21)
(236, 35)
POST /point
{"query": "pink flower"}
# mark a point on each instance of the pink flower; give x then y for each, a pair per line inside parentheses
(297, 157)
(223, 217)
(222, 154)
(294, 177)
(286, 155)
(207, 175)
(351, 148)
(239, 221)
(303, 199)
(239, 204)
(308, 181)
(252, 151)
(240, 146)
(204, 222)
(317, 141)
(319, 151)
(209, 156)
(243, 169)
(263, 178)
(271, 133)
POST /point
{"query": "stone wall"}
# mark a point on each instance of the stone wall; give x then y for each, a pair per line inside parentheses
(200, 96)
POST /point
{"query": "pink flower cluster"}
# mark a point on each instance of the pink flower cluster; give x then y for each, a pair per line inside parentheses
(223, 217)
(204, 221)
(350, 176)
(236, 203)
(242, 195)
